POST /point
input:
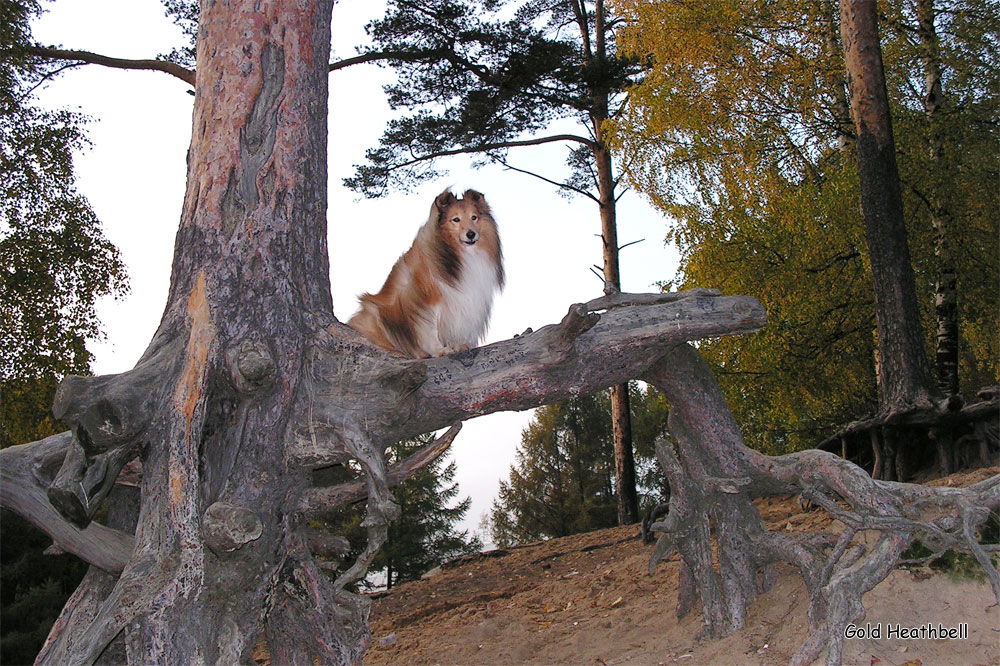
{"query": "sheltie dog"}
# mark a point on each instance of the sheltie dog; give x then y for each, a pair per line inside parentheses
(437, 298)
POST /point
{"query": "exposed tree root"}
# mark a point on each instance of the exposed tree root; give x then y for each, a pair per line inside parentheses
(713, 478)
(959, 435)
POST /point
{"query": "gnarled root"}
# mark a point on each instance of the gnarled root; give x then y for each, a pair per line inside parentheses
(713, 478)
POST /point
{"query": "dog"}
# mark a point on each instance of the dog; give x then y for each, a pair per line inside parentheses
(439, 294)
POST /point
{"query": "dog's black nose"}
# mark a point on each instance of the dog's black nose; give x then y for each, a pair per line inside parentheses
(470, 234)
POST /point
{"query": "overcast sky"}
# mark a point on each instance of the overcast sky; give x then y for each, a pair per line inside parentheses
(134, 173)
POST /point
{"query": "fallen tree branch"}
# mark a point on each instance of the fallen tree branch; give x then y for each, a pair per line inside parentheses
(619, 299)
(586, 352)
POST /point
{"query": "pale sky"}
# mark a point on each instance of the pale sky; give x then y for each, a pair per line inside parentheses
(134, 174)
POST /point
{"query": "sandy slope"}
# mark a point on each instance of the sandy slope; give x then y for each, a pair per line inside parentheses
(589, 599)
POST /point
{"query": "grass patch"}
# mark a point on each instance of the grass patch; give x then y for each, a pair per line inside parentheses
(954, 563)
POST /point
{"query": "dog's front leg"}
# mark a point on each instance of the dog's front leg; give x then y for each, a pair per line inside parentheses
(429, 336)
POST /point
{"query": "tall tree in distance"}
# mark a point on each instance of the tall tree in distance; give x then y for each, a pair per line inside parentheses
(499, 84)
(425, 533)
(561, 482)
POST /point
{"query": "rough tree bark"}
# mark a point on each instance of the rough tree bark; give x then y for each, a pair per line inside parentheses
(904, 375)
(250, 383)
(713, 478)
(905, 383)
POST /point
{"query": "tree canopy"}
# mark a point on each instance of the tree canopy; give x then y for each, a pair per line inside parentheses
(491, 76)
(738, 133)
(55, 259)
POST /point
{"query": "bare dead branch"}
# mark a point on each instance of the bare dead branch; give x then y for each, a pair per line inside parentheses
(515, 374)
(107, 415)
(380, 510)
(400, 55)
(325, 544)
(621, 299)
(165, 66)
(563, 186)
(320, 501)
(487, 147)
(21, 491)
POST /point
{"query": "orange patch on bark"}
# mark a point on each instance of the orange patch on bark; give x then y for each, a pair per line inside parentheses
(188, 391)
(176, 486)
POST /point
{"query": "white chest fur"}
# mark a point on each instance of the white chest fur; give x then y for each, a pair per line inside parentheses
(465, 308)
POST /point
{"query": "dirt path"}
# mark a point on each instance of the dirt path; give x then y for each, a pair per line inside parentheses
(589, 599)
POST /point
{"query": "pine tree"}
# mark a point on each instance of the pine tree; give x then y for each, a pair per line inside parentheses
(562, 481)
(425, 533)
(511, 71)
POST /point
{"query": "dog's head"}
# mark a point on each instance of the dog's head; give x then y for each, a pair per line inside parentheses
(465, 220)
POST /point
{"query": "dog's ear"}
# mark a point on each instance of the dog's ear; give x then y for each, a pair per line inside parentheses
(478, 200)
(444, 200)
(441, 202)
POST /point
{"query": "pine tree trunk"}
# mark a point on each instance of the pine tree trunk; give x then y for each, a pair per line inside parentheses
(621, 421)
(905, 380)
(596, 52)
(248, 289)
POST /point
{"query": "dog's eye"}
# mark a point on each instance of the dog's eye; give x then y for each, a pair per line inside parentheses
(456, 220)
(474, 218)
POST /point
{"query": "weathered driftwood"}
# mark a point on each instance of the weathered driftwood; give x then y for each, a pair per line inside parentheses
(713, 478)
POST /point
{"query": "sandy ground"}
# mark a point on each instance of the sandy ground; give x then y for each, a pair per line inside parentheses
(590, 599)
